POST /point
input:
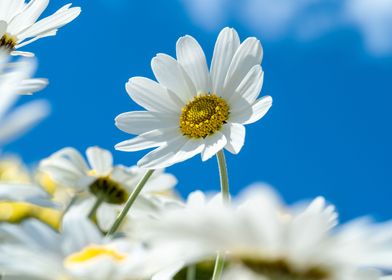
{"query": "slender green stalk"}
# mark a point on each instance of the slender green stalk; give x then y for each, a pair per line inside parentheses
(96, 205)
(225, 190)
(191, 272)
(224, 178)
(218, 269)
(132, 198)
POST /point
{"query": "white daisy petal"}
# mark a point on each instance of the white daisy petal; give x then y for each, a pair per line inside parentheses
(247, 55)
(51, 23)
(249, 87)
(170, 74)
(213, 144)
(151, 95)
(100, 160)
(25, 54)
(191, 57)
(3, 27)
(162, 156)
(148, 140)
(10, 8)
(225, 48)
(191, 148)
(30, 14)
(138, 122)
(30, 86)
(254, 113)
(235, 135)
(22, 119)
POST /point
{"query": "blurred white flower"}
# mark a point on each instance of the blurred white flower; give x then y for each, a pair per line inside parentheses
(14, 80)
(68, 168)
(19, 25)
(265, 237)
(79, 251)
(193, 110)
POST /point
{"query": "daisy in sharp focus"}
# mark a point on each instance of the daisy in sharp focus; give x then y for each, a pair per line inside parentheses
(267, 240)
(19, 24)
(192, 109)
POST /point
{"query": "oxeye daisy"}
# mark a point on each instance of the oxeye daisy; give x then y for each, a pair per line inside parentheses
(107, 182)
(19, 26)
(78, 251)
(265, 238)
(192, 109)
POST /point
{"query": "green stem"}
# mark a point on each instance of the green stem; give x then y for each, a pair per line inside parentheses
(132, 198)
(224, 178)
(218, 269)
(96, 205)
(225, 190)
(191, 272)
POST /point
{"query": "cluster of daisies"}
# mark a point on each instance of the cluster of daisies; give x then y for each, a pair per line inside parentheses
(79, 217)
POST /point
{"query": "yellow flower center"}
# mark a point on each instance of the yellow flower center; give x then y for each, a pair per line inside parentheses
(94, 251)
(12, 171)
(17, 212)
(203, 116)
(108, 189)
(8, 41)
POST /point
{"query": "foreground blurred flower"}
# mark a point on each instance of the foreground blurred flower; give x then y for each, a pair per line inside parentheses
(264, 238)
(14, 79)
(18, 22)
(78, 251)
(110, 184)
(193, 110)
(13, 170)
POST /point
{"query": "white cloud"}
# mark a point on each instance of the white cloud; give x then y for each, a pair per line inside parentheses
(300, 19)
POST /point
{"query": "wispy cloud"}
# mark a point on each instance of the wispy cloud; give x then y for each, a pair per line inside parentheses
(300, 19)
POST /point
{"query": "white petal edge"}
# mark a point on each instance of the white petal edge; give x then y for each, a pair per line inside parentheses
(226, 45)
(249, 88)
(170, 74)
(139, 122)
(213, 144)
(254, 113)
(151, 139)
(247, 55)
(151, 96)
(191, 57)
(100, 160)
(235, 135)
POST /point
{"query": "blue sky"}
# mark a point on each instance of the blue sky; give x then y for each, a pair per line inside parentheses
(328, 132)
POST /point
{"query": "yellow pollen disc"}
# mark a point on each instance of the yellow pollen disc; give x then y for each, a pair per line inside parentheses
(17, 212)
(94, 251)
(8, 41)
(203, 116)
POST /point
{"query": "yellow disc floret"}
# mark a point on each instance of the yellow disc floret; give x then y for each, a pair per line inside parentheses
(17, 212)
(8, 41)
(203, 116)
(92, 252)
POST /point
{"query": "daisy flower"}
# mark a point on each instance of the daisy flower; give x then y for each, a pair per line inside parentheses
(14, 80)
(112, 183)
(192, 109)
(19, 26)
(266, 238)
(79, 251)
